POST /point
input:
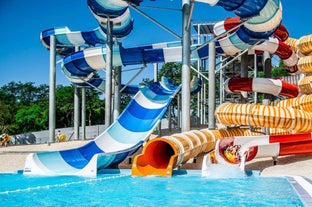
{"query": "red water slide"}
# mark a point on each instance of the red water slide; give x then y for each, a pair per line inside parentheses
(258, 146)
(276, 87)
(273, 45)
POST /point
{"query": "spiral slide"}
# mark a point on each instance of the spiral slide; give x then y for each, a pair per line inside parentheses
(79, 66)
(122, 138)
(273, 44)
(251, 147)
(116, 11)
(237, 41)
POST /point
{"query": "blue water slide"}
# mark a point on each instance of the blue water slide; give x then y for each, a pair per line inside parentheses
(117, 12)
(124, 136)
(80, 66)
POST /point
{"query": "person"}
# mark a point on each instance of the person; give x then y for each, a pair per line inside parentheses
(61, 137)
(232, 153)
(58, 134)
(5, 138)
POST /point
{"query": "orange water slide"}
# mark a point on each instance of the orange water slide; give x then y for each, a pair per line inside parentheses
(161, 155)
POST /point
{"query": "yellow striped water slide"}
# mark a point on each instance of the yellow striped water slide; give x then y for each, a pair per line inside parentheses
(303, 48)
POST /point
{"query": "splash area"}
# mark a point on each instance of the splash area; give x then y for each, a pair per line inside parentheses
(184, 188)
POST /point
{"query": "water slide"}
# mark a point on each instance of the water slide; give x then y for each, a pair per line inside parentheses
(273, 44)
(303, 47)
(160, 156)
(251, 147)
(68, 41)
(291, 115)
(276, 87)
(123, 137)
(262, 26)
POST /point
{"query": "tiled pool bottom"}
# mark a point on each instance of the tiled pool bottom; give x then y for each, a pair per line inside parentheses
(185, 188)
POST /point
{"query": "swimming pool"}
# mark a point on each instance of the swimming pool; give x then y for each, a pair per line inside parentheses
(185, 188)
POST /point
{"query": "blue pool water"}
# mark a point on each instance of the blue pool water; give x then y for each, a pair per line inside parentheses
(122, 189)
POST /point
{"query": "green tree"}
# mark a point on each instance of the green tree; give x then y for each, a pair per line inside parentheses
(64, 102)
(279, 71)
(5, 116)
(15, 98)
(32, 118)
(95, 108)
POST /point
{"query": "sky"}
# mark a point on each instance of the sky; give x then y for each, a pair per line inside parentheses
(23, 58)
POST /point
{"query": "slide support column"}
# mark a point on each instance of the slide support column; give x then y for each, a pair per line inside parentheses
(76, 113)
(117, 78)
(76, 108)
(186, 54)
(52, 90)
(83, 113)
(244, 72)
(109, 67)
(212, 85)
(267, 68)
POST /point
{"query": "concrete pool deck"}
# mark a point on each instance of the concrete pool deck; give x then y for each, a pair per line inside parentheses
(12, 158)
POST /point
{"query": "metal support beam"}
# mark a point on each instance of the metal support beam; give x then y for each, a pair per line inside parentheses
(217, 37)
(221, 90)
(52, 89)
(76, 108)
(134, 77)
(76, 113)
(232, 60)
(179, 111)
(155, 72)
(186, 38)
(212, 85)
(255, 75)
(117, 78)
(154, 21)
(83, 113)
(236, 57)
(109, 68)
(267, 68)
(244, 74)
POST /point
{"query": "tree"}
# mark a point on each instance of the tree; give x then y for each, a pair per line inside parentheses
(15, 99)
(95, 108)
(32, 118)
(64, 101)
(5, 116)
(279, 71)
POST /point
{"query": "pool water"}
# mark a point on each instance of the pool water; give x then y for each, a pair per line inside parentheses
(183, 189)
